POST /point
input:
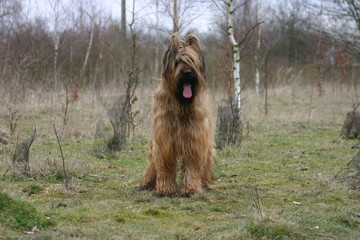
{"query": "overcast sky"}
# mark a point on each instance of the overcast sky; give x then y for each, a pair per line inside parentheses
(144, 9)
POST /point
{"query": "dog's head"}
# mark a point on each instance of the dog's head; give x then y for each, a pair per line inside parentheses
(183, 71)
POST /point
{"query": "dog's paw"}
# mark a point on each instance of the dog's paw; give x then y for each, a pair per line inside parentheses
(188, 194)
(162, 194)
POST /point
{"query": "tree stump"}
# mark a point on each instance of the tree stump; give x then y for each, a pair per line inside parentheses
(351, 127)
(228, 127)
(119, 119)
(20, 159)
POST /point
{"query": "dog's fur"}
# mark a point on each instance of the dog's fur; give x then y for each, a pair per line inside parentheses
(182, 126)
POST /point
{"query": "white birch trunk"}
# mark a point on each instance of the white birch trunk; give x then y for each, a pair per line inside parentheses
(88, 50)
(56, 38)
(257, 80)
(236, 58)
(56, 53)
(258, 45)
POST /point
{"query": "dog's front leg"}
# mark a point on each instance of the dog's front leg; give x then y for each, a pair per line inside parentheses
(165, 164)
(192, 168)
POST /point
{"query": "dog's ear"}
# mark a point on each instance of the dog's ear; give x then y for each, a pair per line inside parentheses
(170, 53)
(193, 41)
(175, 43)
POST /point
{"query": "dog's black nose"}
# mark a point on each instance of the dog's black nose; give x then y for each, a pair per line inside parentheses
(188, 71)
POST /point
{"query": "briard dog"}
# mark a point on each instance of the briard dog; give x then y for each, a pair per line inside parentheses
(182, 126)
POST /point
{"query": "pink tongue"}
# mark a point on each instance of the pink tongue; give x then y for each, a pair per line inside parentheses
(187, 93)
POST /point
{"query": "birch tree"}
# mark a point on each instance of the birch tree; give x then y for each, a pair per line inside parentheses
(183, 13)
(257, 52)
(235, 59)
(229, 127)
(55, 7)
(229, 115)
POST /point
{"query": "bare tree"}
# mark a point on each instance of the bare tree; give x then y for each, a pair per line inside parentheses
(346, 30)
(10, 16)
(257, 51)
(236, 54)
(55, 6)
(9, 7)
(348, 9)
(235, 58)
(123, 18)
(230, 117)
(183, 13)
(175, 17)
(62, 157)
(91, 39)
(122, 116)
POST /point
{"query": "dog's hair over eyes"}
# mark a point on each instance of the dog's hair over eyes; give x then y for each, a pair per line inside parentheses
(189, 52)
(183, 51)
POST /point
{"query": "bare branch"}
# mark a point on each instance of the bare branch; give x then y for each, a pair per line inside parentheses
(242, 4)
(62, 157)
(248, 32)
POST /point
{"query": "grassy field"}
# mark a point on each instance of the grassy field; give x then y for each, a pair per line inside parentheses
(278, 184)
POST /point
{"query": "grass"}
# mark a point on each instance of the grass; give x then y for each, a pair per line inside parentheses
(18, 215)
(289, 162)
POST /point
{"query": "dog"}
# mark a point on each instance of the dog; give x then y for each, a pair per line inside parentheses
(182, 126)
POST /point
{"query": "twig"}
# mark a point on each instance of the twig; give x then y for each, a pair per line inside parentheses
(355, 158)
(13, 119)
(248, 31)
(7, 170)
(62, 157)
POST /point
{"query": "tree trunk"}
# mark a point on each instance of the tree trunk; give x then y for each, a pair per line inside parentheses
(258, 45)
(236, 59)
(175, 20)
(56, 38)
(229, 116)
(88, 51)
(21, 156)
(157, 54)
(123, 18)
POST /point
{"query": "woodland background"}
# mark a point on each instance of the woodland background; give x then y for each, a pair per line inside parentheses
(79, 45)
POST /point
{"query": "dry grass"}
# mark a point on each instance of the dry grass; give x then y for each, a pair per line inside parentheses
(286, 158)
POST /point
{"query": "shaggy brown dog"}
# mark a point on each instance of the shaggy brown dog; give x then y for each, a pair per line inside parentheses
(182, 126)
